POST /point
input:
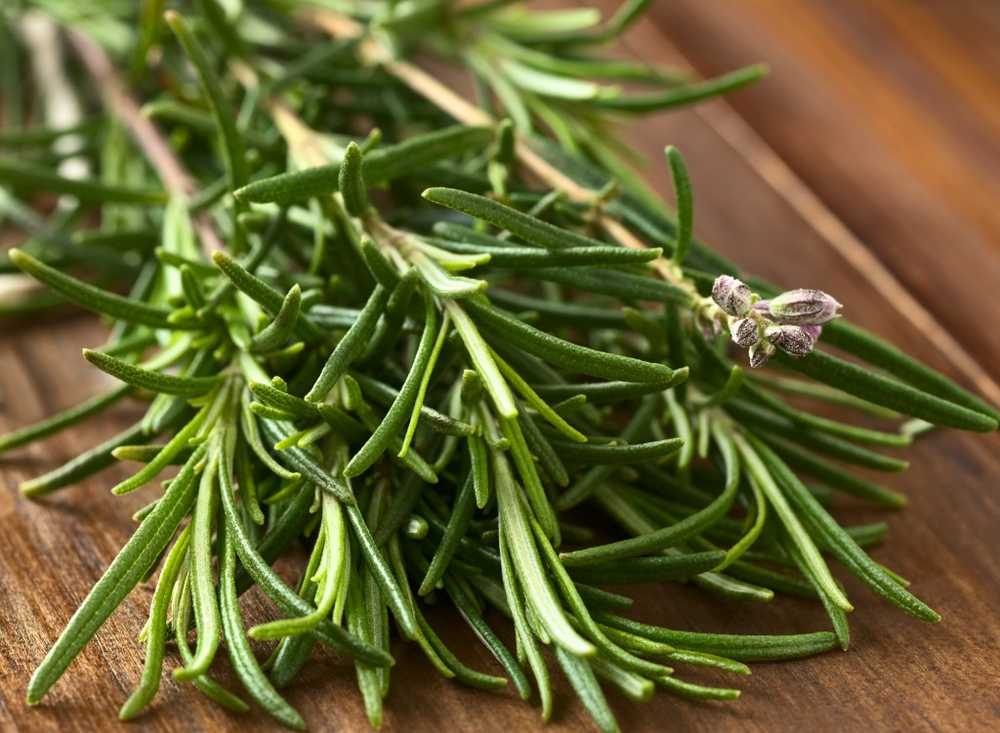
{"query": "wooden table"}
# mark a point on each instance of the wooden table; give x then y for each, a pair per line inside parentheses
(880, 120)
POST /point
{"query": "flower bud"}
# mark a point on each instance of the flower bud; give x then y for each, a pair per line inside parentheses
(793, 340)
(760, 352)
(803, 307)
(744, 332)
(732, 295)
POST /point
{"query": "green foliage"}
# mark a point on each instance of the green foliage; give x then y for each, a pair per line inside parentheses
(386, 361)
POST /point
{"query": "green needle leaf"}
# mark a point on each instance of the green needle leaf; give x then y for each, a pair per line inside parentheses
(62, 420)
(164, 457)
(544, 410)
(742, 647)
(521, 225)
(685, 203)
(156, 631)
(402, 406)
(260, 291)
(380, 165)
(582, 678)
(92, 298)
(841, 543)
(458, 524)
(240, 653)
(810, 554)
(299, 460)
(149, 379)
(673, 534)
(888, 392)
(232, 141)
(278, 331)
(569, 257)
(130, 566)
(683, 95)
(877, 352)
(482, 359)
(352, 183)
(650, 569)
(528, 564)
(592, 454)
(203, 592)
(350, 347)
(569, 356)
(25, 176)
(286, 598)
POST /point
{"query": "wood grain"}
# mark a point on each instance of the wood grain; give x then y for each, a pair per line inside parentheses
(899, 675)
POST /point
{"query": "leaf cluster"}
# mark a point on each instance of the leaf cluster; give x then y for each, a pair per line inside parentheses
(414, 363)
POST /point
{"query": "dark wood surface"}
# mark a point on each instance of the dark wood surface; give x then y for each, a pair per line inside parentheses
(912, 175)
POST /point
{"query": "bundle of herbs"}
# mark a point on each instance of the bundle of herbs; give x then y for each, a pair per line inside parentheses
(410, 335)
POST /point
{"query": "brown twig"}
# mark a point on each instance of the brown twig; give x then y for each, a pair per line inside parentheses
(146, 135)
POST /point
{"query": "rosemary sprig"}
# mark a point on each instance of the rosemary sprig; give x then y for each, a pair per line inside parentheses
(382, 348)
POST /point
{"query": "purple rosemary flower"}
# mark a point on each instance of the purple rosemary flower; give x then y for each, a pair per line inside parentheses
(732, 295)
(793, 340)
(744, 332)
(791, 321)
(803, 307)
(760, 352)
